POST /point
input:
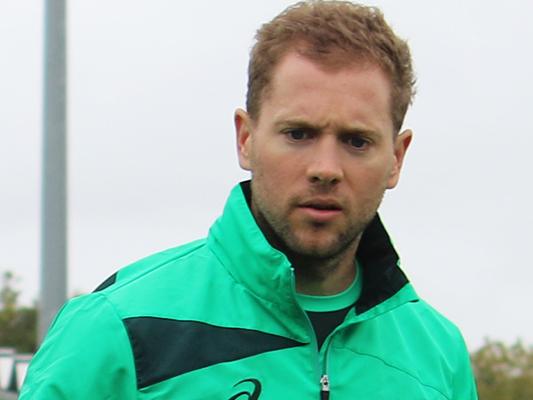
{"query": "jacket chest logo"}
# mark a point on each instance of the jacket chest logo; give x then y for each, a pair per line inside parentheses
(252, 391)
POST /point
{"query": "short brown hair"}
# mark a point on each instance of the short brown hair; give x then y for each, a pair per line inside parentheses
(334, 33)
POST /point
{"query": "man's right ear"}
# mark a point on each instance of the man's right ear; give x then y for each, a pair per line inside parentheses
(243, 126)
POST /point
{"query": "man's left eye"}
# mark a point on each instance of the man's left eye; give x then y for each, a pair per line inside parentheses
(357, 142)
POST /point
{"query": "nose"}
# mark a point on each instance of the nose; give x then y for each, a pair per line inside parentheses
(325, 167)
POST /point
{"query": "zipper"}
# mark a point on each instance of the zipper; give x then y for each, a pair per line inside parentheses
(321, 354)
(321, 374)
(325, 383)
(324, 387)
(324, 379)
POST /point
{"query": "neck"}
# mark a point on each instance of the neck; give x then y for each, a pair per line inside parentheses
(314, 276)
(324, 277)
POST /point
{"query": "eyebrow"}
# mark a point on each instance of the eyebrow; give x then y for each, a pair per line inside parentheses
(300, 123)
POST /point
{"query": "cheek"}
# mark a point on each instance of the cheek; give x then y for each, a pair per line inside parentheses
(382, 167)
(265, 176)
(370, 179)
(274, 170)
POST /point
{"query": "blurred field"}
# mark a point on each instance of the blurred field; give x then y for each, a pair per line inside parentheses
(7, 396)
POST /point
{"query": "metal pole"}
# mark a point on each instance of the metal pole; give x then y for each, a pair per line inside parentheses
(54, 172)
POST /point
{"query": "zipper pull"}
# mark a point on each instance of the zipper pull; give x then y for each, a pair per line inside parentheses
(324, 387)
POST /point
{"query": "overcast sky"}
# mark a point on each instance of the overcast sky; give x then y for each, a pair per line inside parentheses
(152, 90)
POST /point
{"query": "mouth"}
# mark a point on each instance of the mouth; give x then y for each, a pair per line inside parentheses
(321, 210)
(324, 205)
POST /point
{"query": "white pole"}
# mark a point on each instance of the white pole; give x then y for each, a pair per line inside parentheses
(54, 172)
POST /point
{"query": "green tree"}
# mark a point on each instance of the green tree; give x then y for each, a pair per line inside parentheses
(8, 294)
(504, 372)
(18, 325)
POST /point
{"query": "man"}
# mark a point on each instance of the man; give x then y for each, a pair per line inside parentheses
(296, 292)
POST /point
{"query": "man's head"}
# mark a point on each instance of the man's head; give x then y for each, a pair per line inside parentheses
(334, 34)
(320, 139)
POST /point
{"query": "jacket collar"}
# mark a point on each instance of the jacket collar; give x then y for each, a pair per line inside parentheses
(244, 251)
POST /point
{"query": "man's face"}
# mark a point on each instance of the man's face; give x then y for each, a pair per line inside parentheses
(321, 153)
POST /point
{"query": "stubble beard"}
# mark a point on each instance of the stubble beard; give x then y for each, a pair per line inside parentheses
(282, 235)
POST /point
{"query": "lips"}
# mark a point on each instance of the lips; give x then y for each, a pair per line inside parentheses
(321, 204)
(320, 210)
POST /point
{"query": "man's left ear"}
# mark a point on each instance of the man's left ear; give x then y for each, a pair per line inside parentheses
(401, 144)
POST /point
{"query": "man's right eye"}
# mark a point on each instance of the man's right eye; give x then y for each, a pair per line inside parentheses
(297, 134)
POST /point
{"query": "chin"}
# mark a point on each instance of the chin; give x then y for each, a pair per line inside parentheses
(315, 249)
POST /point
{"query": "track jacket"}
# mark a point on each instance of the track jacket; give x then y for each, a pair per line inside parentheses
(218, 319)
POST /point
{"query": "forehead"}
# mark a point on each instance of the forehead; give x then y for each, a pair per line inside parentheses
(358, 90)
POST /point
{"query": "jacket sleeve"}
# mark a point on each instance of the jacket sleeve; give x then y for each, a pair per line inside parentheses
(464, 387)
(85, 355)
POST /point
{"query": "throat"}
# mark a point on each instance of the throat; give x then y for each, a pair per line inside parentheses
(324, 277)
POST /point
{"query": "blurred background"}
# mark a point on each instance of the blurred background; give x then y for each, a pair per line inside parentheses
(152, 87)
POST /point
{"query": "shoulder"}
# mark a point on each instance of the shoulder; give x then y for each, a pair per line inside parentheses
(442, 340)
(91, 330)
(133, 290)
(152, 265)
(85, 338)
(435, 323)
(413, 334)
(438, 341)
(418, 340)
(160, 285)
(428, 329)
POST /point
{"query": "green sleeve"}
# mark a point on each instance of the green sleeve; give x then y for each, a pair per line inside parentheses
(85, 355)
(464, 382)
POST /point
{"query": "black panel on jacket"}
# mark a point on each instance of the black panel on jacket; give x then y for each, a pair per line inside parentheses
(165, 348)
(108, 282)
(382, 277)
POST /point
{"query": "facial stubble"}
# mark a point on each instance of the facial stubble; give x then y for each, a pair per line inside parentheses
(316, 261)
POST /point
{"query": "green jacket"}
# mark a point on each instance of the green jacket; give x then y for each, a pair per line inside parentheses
(218, 319)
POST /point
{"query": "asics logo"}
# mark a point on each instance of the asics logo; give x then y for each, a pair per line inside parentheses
(248, 394)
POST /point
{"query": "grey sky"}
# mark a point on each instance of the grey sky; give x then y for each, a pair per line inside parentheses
(153, 87)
